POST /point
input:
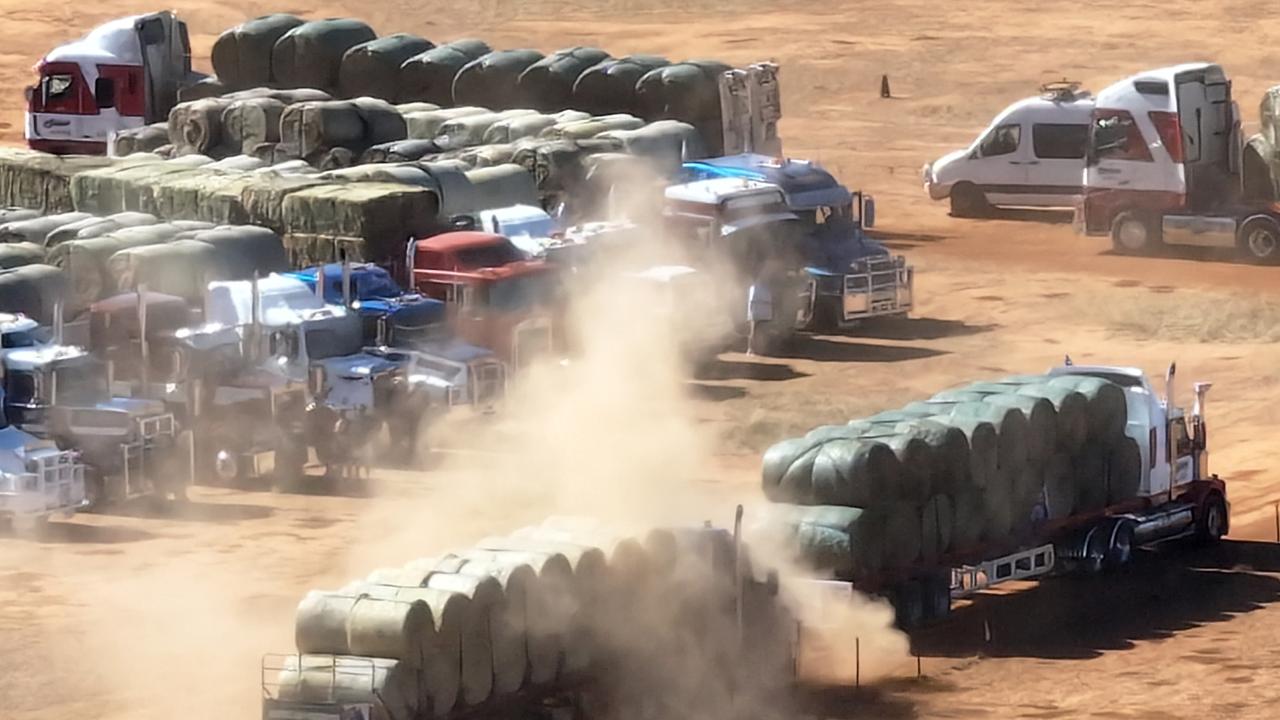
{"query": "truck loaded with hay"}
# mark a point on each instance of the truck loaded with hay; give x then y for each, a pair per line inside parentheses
(996, 481)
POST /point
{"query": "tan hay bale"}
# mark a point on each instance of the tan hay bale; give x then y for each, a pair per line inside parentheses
(342, 624)
(389, 685)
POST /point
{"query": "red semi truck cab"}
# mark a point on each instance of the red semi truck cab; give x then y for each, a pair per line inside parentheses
(498, 298)
(122, 74)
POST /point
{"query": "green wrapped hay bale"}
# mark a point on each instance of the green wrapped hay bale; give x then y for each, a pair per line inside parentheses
(688, 91)
(916, 460)
(428, 76)
(547, 84)
(903, 535)
(469, 130)
(180, 267)
(970, 520)
(610, 86)
(1011, 430)
(373, 68)
(832, 432)
(425, 125)
(593, 127)
(245, 250)
(1059, 485)
(37, 229)
(86, 262)
(493, 80)
(509, 130)
(17, 254)
(998, 506)
(665, 143)
(846, 541)
(310, 55)
(1071, 409)
(251, 122)
(32, 290)
(958, 395)
(385, 215)
(1042, 423)
(937, 528)
(1091, 476)
(834, 471)
(950, 446)
(1106, 405)
(1028, 493)
(1124, 471)
(241, 55)
(984, 446)
(97, 226)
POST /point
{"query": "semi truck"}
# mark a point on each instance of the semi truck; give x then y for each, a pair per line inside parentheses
(1164, 167)
(38, 480)
(1178, 497)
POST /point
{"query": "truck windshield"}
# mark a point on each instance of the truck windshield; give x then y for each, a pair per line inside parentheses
(21, 387)
(325, 343)
(523, 291)
(489, 256)
(24, 338)
(83, 383)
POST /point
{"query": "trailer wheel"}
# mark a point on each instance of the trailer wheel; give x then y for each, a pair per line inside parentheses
(908, 604)
(1212, 523)
(1135, 233)
(1259, 239)
(967, 201)
(1120, 551)
(937, 597)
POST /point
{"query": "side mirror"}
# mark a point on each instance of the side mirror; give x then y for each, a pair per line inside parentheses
(104, 91)
(868, 211)
(29, 92)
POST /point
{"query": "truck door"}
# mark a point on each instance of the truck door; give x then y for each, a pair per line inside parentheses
(1182, 451)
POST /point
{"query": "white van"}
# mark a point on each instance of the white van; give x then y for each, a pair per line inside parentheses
(1032, 155)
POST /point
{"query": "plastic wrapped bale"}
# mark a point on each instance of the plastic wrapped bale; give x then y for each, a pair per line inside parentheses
(310, 55)
(1124, 471)
(937, 527)
(969, 525)
(591, 127)
(413, 107)
(493, 80)
(400, 151)
(95, 227)
(1091, 476)
(428, 76)
(250, 122)
(952, 468)
(425, 125)
(384, 215)
(244, 250)
(241, 55)
(848, 542)
(343, 624)
(510, 635)
(486, 156)
(667, 143)
(479, 663)
(485, 188)
(406, 173)
(389, 686)
(998, 501)
(201, 88)
(180, 267)
(32, 290)
(141, 139)
(1011, 430)
(688, 91)
(335, 159)
(373, 68)
(17, 254)
(917, 463)
(470, 130)
(610, 86)
(35, 230)
(17, 214)
(548, 84)
(42, 181)
(1107, 408)
(853, 473)
(236, 163)
(527, 126)
(1042, 423)
(353, 124)
(85, 263)
(1071, 409)
(196, 128)
(1060, 487)
(557, 166)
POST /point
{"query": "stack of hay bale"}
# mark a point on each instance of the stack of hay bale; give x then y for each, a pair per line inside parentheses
(985, 464)
(546, 606)
(1261, 161)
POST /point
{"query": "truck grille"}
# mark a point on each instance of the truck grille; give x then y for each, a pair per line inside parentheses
(878, 286)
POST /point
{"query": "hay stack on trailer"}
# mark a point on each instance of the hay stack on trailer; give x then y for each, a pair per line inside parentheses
(383, 216)
(610, 85)
(493, 80)
(313, 128)
(392, 686)
(547, 85)
(687, 91)
(372, 68)
(32, 290)
(310, 55)
(37, 180)
(37, 229)
(428, 76)
(986, 462)
(241, 55)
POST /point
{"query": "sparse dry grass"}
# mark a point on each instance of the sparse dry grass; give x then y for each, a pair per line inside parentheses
(1194, 317)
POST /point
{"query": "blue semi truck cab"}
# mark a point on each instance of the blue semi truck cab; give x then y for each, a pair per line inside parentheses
(853, 277)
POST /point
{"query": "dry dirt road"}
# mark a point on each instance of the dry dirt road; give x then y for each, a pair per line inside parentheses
(138, 615)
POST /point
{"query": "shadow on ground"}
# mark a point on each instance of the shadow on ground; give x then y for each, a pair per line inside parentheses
(917, 329)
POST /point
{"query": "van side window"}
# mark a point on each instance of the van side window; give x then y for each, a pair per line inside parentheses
(1001, 141)
(1115, 135)
(1059, 141)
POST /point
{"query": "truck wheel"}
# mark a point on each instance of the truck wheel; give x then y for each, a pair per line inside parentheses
(1120, 551)
(908, 605)
(1135, 233)
(967, 201)
(1212, 523)
(1259, 239)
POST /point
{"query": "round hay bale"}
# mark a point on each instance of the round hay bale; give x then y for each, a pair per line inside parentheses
(17, 214)
(688, 91)
(1059, 485)
(917, 465)
(950, 445)
(1011, 430)
(997, 506)
(848, 472)
(480, 664)
(845, 541)
(310, 55)
(510, 635)
(338, 624)
(961, 395)
(1042, 423)
(97, 227)
(833, 432)
(610, 86)
(937, 527)
(425, 125)
(984, 446)
(1108, 410)
(18, 254)
(493, 80)
(428, 76)
(1028, 494)
(969, 522)
(1071, 409)
(902, 535)
(1124, 471)
(37, 229)
(373, 68)
(251, 122)
(391, 685)
(548, 83)
(1091, 476)
(244, 250)
(241, 55)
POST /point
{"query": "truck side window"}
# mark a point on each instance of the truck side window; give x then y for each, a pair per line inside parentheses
(1179, 439)
(1116, 136)
(1059, 141)
(1001, 141)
